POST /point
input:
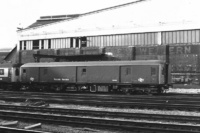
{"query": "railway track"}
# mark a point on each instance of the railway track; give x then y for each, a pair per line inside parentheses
(149, 102)
(103, 114)
(17, 130)
(123, 125)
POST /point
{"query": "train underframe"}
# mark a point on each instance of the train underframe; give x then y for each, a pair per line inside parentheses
(89, 87)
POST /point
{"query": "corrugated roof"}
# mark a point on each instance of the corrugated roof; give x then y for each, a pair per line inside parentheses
(94, 63)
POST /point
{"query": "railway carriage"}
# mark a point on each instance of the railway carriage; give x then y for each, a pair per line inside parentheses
(9, 75)
(98, 76)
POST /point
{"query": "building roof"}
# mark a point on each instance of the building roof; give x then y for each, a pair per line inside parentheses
(94, 63)
(44, 20)
(51, 19)
(122, 19)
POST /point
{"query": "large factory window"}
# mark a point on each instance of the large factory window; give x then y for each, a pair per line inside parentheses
(83, 42)
(35, 44)
(42, 44)
(71, 42)
(24, 45)
(77, 42)
(49, 43)
(20, 45)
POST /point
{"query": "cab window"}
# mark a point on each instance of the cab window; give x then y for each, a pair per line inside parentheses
(83, 71)
(1, 71)
(24, 71)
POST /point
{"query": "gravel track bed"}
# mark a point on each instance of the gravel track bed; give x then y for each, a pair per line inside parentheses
(147, 111)
(59, 129)
(66, 129)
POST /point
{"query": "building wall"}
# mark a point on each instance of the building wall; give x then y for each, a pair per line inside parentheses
(181, 37)
(138, 39)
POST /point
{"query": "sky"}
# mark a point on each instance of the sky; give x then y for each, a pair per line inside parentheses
(22, 13)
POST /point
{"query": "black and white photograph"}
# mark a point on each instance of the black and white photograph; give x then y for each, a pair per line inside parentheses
(100, 66)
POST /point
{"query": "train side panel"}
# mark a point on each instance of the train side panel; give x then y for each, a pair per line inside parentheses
(82, 74)
(30, 74)
(58, 74)
(15, 74)
(98, 74)
(103, 74)
(140, 74)
(5, 75)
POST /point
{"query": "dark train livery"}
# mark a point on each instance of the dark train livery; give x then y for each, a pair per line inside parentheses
(94, 76)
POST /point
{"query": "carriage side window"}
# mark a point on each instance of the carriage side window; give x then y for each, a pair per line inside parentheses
(83, 71)
(35, 44)
(83, 42)
(1, 71)
(17, 72)
(153, 71)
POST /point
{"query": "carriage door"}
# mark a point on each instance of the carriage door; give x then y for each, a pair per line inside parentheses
(126, 75)
(24, 71)
(81, 74)
(44, 76)
(154, 74)
(15, 74)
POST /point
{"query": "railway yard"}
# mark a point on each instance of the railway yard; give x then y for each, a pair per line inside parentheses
(73, 74)
(86, 112)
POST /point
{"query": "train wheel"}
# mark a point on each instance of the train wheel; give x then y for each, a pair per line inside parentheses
(127, 91)
(147, 91)
(160, 90)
